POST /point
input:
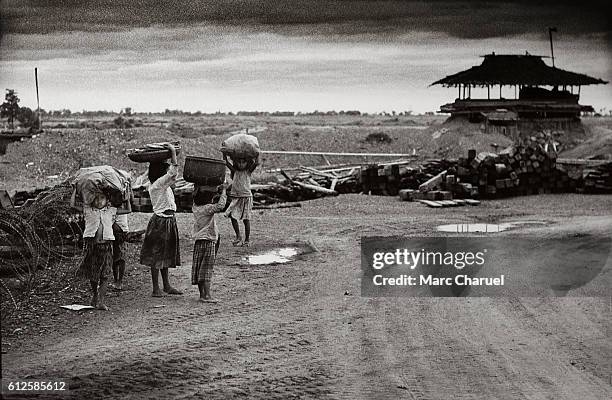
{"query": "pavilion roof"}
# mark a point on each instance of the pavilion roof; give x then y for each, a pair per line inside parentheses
(517, 70)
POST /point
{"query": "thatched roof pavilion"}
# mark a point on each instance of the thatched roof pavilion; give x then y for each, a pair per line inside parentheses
(516, 70)
(527, 73)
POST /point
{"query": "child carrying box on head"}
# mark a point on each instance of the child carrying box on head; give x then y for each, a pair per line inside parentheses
(205, 204)
(241, 197)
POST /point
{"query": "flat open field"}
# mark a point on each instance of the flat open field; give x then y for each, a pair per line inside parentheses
(302, 330)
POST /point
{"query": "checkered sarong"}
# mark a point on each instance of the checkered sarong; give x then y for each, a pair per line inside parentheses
(204, 252)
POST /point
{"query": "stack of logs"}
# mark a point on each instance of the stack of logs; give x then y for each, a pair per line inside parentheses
(598, 179)
(517, 170)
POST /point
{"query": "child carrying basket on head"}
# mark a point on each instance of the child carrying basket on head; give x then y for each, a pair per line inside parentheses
(206, 234)
(160, 248)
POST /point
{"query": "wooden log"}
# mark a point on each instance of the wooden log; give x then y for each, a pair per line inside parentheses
(318, 189)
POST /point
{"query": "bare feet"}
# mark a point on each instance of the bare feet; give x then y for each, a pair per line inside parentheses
(207, 300)
(246, 243)
(171, 290)
(116, 286)
(157, 293)
(237, 242)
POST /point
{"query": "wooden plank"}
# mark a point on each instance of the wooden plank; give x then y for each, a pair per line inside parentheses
(277, 205)
(317, 172)
(472, 202)
(326, 153)
(433, 183)
(581, 161)
(429, 203)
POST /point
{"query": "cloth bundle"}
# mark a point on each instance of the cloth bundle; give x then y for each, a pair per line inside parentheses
(114, 183)
(241, 145)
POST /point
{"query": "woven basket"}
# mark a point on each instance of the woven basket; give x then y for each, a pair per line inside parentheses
(151, 155)
(204, 171)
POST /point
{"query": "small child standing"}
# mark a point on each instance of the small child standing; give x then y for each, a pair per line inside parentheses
(241, 197)
(98, 237)
(206, 235)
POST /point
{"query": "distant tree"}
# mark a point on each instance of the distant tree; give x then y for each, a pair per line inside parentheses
(10, 107)
(127, 110)
(28, 118)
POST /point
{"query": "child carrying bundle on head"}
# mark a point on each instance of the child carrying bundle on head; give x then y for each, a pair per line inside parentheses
(98, 237)
(101, 189)
(241, 197)
(205, 204)
(160, 248)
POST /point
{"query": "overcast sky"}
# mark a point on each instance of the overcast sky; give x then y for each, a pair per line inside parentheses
(232, 55)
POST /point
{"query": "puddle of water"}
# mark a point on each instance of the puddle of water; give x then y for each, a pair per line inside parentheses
(470, 228)
(484, 228)
(276, 256)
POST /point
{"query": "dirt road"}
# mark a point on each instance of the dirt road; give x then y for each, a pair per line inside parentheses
(302, 330)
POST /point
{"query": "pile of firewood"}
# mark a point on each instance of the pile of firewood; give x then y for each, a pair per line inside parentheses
(307, 184)
(598, 179)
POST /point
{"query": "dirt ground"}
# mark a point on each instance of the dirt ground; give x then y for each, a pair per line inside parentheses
(302, 329)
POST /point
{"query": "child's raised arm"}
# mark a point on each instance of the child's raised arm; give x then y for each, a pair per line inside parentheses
(220, 206)
(253, 163)
(229, 165)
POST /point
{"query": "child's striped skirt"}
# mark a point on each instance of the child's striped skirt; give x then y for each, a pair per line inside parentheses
(204, 253)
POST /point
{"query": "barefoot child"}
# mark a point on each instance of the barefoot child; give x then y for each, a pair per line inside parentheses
(206, 235)
(160, 248)
(98, 237)
(241, 197)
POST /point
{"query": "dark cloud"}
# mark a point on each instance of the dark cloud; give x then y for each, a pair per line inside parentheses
(465, 19)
